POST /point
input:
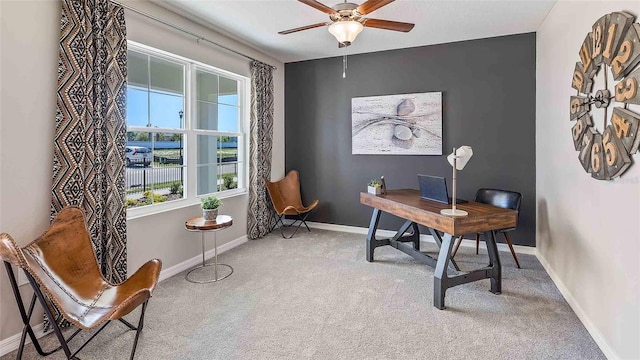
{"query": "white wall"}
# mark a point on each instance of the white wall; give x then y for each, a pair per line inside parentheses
(28, 71)
(28, 53)
(588, 232)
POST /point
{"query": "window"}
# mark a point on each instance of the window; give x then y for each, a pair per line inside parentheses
(185, 129)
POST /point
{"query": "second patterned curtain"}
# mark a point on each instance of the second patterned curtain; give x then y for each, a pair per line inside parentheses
(260, 215)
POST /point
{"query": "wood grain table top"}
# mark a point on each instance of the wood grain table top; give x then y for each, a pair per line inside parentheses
(408, 204)
(199, 223)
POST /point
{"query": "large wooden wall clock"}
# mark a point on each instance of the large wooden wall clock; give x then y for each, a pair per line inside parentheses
(614, 43)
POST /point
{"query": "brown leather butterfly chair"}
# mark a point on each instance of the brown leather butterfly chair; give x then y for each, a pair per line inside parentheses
(285, 196)
(62, 266)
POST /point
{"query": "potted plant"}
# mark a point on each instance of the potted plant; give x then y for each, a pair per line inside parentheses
(374, 187)
(210, 206)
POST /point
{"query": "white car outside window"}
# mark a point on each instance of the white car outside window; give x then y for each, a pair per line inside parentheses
(138, 155)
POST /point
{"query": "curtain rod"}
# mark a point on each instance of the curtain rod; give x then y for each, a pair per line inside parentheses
(198, 37)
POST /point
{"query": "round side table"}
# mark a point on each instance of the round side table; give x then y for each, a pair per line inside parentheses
(199, 224)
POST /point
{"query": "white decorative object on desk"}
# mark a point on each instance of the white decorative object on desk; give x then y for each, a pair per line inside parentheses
(374, 187)
(458, 160)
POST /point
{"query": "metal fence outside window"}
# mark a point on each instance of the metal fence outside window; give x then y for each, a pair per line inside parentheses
(141, 179)
(161, 179)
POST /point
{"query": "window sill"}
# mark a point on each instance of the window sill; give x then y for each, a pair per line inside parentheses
(137, 213)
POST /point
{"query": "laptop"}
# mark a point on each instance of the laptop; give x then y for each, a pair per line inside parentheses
(435, 188)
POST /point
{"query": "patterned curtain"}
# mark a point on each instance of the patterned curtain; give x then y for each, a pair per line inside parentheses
(90, 132)
(260, 144)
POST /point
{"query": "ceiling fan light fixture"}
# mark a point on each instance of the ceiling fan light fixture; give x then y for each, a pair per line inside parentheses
(346, 31)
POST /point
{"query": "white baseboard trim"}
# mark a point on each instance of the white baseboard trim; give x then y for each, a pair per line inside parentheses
(577, 309)
(188, 264)
(428, 238)
(11, 343)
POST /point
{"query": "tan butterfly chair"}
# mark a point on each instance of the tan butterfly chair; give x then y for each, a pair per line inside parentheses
(62, 266)
(285, 196)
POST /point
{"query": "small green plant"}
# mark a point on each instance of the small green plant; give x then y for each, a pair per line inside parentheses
(375, 183)
(175, 188)
(157, 198)
(211, 202)
(228, 182)
(131, 203)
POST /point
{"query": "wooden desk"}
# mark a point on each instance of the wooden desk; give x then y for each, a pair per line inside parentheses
(408, 205)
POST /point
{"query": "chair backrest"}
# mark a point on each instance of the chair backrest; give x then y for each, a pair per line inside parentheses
(501, 198)
(285, 192)
(10, 252)
(63, 263)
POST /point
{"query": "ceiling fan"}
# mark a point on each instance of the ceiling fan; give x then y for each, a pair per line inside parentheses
(347, 21)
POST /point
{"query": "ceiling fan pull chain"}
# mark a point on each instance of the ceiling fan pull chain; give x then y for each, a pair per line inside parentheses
(344, 66)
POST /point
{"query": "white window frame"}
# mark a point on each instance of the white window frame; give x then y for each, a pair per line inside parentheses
(190, 133)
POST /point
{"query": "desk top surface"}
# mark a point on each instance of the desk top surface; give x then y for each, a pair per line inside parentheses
(407, 204)
(199, 223)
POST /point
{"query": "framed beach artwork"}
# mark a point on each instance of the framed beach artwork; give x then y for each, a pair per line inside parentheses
(406, 124)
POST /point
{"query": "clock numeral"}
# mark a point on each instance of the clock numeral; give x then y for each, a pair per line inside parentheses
(628, 55)
(597, 169)
(616, 158)
(626, 89)
(585, 55)
(626, 49)
(586, 146)
(610, 149)
(620, 125)
(578, 80)
(575, 105)
(626, 126)
(611, 34)
(585, 150)
(595, 157)
(577, 130)
(597, 41)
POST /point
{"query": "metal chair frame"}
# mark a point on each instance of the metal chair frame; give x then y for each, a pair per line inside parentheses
(64, 343)
(302, 218)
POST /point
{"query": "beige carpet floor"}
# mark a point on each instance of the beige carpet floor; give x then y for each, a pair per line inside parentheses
(315, 297)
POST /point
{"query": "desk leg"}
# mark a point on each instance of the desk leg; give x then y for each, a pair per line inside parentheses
(495, 265)
(371, 235)
(438, 239)
(416, 237)
(440, 279)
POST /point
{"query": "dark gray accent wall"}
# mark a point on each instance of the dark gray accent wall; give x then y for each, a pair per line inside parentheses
(488, 88)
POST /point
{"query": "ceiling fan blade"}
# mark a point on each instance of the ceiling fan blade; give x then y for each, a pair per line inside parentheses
(372, 5)
(388, 25)
(285, 32)
(322, 7)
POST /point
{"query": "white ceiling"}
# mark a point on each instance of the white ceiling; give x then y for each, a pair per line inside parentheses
(257, 22)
